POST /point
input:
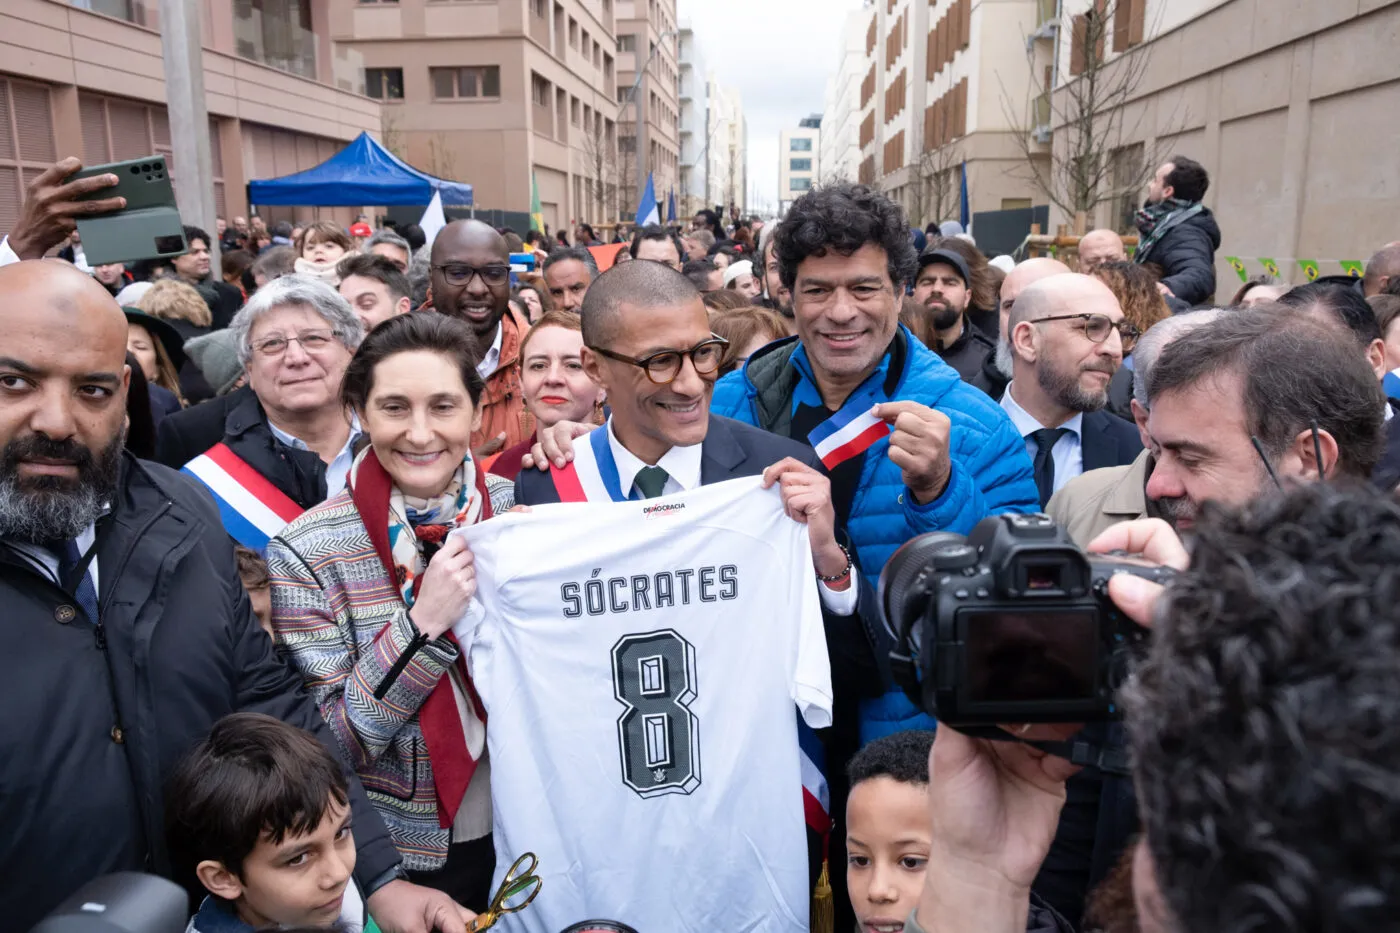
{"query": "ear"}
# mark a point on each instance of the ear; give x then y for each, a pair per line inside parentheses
(218, 880)
(1375, 355)
(1023, 342)
(592, 366)
(1303, 449)
(476, 417)
(404, 306)
(1140, 419)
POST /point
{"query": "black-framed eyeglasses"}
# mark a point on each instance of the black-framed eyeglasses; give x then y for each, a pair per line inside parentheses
(459, 273)
(1098, 326)
(664, 366)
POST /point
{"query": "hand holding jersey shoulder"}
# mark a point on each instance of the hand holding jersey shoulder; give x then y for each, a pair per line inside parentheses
(448, 586)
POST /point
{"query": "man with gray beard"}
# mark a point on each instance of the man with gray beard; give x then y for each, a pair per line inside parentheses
(1067, 337)
(127, 630)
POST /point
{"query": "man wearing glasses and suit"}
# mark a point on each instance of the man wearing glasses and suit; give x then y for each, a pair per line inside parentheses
(1068, 337)
(470, 280)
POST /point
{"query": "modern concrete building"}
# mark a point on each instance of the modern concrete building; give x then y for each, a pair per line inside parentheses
(945, 83)
(728, 156)
(1288, 104)
(498, 93)
(694, 124)
(840, 152)
(799, 161)
(647, 34)
(88, 79)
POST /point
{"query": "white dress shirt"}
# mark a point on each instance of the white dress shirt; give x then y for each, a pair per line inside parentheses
(7, 255)
(338, 470)
(1068, 452)
(492, 359)
(682, 466)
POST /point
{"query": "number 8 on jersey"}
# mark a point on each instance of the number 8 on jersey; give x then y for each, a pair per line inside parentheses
(658, 736)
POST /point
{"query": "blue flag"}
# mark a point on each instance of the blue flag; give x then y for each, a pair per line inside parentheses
(964, 209)
(647, 212)
(671, 207)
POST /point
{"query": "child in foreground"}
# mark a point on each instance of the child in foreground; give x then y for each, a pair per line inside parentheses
(260, 811)
(888, 836)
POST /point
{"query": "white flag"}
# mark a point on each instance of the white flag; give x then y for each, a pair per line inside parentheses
(433, 218)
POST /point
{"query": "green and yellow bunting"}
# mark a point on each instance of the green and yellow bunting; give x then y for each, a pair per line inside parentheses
(536, 212)
(1309, 267)
(1238, 265)
(1353, 269)
(1270, 266)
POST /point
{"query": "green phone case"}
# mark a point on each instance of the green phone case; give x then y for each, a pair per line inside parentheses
(149, 227)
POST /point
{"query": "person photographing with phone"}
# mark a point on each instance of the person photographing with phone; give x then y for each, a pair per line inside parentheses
(1263, 730)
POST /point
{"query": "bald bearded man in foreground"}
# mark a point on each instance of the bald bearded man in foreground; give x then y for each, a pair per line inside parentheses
(127, 631)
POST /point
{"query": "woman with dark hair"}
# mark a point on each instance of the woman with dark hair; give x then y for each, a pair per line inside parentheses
(586, 236)
(562, 237)
(140, 413)
(159, 353)
(370, 626)
(1258, 290)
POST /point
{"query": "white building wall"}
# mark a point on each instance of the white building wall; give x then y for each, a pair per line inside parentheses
(840, 152)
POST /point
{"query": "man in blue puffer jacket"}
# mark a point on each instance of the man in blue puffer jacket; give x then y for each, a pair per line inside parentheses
(951, 456)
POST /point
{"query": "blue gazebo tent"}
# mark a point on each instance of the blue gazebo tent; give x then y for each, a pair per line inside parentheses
(362, 173)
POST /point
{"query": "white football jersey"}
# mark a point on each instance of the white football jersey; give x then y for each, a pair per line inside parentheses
(639, 662)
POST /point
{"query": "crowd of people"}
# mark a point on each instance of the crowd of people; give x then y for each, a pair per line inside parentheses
(248, 622)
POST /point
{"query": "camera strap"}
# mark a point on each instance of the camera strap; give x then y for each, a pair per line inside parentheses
(1078, 752)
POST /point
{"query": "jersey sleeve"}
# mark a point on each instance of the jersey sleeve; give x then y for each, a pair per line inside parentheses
(811, 668)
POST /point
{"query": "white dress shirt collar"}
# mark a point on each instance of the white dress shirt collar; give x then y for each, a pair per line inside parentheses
(1027, 424)
(682, 465)
(492, 359)
(338, 470)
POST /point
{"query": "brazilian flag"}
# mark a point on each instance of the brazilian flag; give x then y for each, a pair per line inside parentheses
(1238, 265)
(1352, 268)
(1309, 267)
(1270, 266)
(536, 212)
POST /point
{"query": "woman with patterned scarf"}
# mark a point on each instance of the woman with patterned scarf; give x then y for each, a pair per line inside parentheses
(366, 587)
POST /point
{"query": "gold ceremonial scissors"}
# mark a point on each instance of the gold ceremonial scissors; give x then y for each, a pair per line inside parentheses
(517, 890)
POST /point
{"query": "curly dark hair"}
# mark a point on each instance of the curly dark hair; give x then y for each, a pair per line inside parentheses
(844, 218)
(902, 756)
(1265, 722)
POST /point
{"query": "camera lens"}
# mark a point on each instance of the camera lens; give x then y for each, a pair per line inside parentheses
(900, 595)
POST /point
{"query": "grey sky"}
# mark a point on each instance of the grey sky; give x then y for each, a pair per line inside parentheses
(778, 54)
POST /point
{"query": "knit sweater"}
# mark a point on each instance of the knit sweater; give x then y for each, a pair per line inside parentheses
(342, 621)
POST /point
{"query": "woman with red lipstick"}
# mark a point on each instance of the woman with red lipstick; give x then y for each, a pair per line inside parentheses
(555, 386)
(367, 585)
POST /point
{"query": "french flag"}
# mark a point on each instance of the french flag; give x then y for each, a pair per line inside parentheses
(849, 432)
(816, 796)
(252, 509)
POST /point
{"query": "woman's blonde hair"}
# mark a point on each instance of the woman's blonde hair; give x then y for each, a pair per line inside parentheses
(173, 300)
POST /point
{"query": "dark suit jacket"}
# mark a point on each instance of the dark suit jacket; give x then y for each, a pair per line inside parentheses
(1108, 440)
(184, 435)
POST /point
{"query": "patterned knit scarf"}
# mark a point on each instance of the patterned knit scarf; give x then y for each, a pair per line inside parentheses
(1153, 220)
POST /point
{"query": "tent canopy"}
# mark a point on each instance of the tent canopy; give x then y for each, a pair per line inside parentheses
(364, 172)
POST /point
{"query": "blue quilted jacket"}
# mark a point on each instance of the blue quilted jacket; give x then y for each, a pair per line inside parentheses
(991, 471)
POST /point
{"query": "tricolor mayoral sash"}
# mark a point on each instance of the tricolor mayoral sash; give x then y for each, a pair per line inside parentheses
(250, 506)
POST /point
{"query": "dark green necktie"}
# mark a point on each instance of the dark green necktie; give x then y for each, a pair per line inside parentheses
(650, 481)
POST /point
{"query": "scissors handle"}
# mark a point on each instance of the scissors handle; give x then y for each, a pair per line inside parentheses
(483, 921)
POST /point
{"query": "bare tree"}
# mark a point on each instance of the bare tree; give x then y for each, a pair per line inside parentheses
(933, 190)
(442, 158)
(1093, 159)
(598, 157)
(391, 129)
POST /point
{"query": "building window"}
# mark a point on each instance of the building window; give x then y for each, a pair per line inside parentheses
(540, 8)
(800, 184)
(276, 33)
(573, 111)
(539, 91)
(627, 43)
(799, 165)
(573, 33)
(384, 83)
(477, 81)
(801, 145)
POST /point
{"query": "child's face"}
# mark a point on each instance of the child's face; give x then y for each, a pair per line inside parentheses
(323, 252)
(300, 881)
(887, 848)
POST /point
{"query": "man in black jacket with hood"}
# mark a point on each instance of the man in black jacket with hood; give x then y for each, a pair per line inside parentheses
(128, 631)
(1179, 234)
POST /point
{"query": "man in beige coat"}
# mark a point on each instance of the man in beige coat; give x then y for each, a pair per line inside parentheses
(1098, 499)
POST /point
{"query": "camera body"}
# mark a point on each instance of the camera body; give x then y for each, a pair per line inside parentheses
(1012, 624)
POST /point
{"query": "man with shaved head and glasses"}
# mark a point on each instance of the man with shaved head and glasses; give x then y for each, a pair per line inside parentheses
(470, 280)
(1068, 338)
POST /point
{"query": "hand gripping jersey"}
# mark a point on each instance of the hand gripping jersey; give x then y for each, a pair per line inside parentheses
(639, 662)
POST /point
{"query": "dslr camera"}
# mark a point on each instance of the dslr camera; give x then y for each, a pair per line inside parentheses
(1010, 624)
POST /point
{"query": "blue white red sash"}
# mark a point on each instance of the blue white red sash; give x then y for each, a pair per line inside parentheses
(251, 507)
(593, 477)
(849, 432)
